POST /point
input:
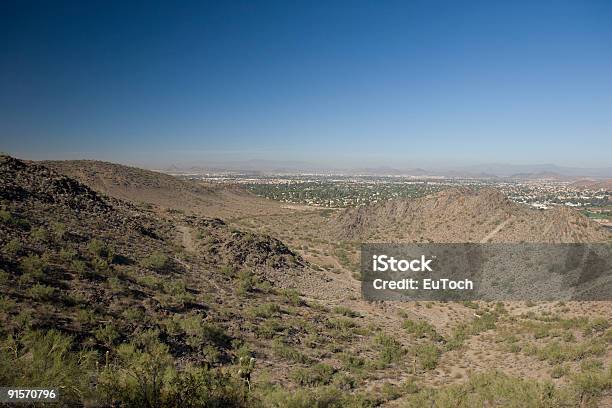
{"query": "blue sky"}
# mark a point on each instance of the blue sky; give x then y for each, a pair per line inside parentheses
(406, 83)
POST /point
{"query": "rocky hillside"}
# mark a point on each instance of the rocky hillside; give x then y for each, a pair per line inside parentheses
(161, 190)
(85, 274)
(132, 183)
(456, 215)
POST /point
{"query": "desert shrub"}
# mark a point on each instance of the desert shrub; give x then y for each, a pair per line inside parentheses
(328, 396)
(5, 216)
(421, 328)
(479, 324)
(78, 266)
(289, 353)
(139, 373)
(4, 277)
(318, 374)
(12, 248)
(67, 254)
(58, 230)
(292, 297)
(391, 350)
(244, 282)
(99, 265)
(150, 281)
(493, 389)
(97, 248)
(107, 334)
(556, 352)
(6, 304)
(115, 284)
(559, 371)
(344, 381)
(470, 304)
(39, 234)
(591, 364)
(178, 291)
(202, 387)
(270, 328)
(215, 334)
(485, 322)
(592, 382)
(134, 314)
(157, 261)
(390, 391)
(85, 316)
(345, 311)
(228, 270)
(340, 323)
(428, 355)
(265, 310)
(200, 333)
(41, 292)
(32, 266)
(10, 219)
(599, 324)
(47, 360)
(190, 324)
(351, 362)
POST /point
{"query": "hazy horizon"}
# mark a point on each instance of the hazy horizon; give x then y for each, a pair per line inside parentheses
(271, 166)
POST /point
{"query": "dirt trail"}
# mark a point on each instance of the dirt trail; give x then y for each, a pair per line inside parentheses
(495, 231)
(186, 238)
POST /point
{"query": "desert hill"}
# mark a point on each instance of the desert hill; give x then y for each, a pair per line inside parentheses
(162, 190)
(593, 184)
(465, 216)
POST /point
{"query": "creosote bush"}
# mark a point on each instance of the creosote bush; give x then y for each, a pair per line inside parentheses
(157, 261)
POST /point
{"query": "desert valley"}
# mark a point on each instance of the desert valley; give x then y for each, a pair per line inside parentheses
(127, 286)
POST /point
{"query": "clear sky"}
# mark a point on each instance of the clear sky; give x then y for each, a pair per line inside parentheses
(401, 83)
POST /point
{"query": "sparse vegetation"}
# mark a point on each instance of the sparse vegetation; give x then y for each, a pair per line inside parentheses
(134, 318)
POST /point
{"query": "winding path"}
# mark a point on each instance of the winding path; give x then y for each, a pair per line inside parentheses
(495, 231)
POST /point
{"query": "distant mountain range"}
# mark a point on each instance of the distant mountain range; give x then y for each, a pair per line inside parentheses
(491, 170)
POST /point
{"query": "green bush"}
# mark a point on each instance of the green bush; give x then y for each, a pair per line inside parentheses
(67, 254)
(46, 360)
(12, 248)
(178, 291)
(78, 266)
(97, 248)
(41, 292)
(39, 235)
(494, 389)
(4, 277)
(244, 282)
(157, 261)
(391, 351)
(32, 266)
(59, 230)
(428, 355)
(345, 311)
(7, 218)
(289, 353)
(318, 374)
(265, 310)
(421, 329)
(107, 335)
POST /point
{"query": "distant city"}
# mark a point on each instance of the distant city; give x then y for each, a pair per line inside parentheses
(593, 199)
